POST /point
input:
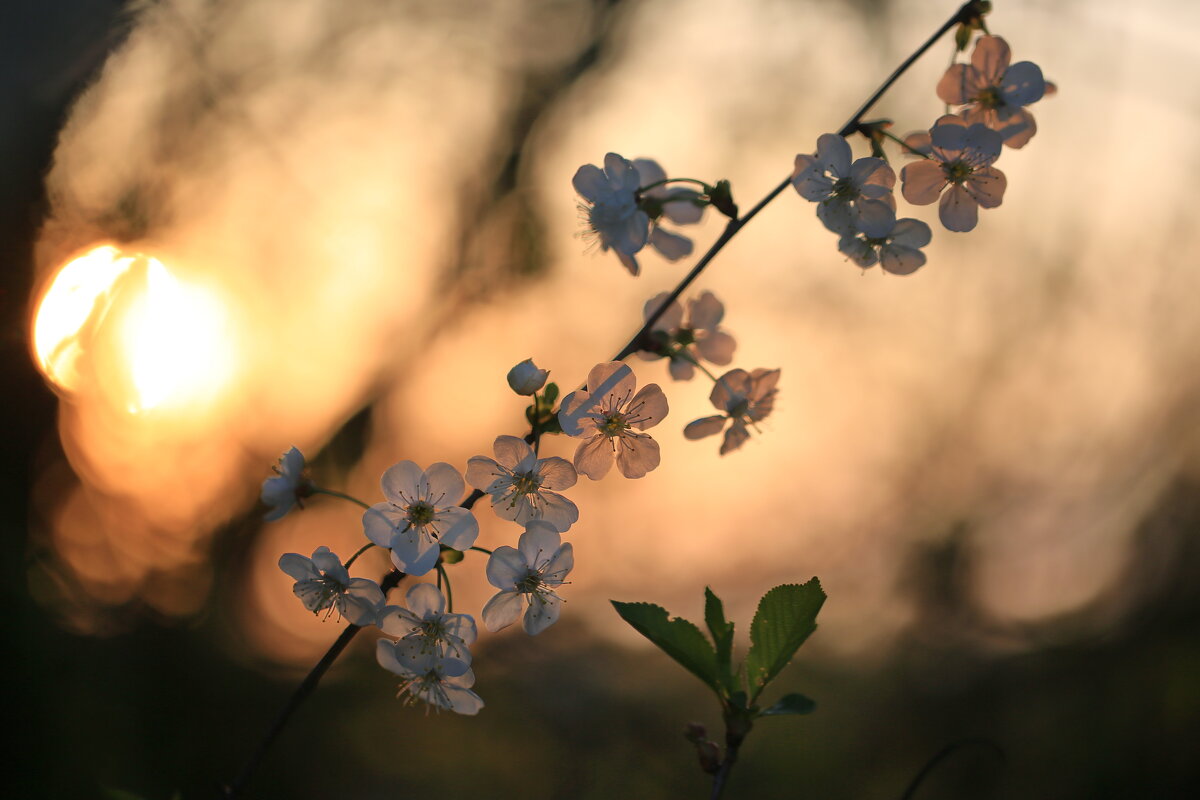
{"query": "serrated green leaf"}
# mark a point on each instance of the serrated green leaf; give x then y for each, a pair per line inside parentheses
(790, 704)
(722, 634)
(786, 616)
(676, 637)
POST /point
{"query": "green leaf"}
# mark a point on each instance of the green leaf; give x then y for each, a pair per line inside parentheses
(790, 704)
(550, 393)
(786, 616)
(722, 634)
(677, 637)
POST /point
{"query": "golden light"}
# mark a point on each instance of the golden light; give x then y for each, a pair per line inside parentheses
(149, 339)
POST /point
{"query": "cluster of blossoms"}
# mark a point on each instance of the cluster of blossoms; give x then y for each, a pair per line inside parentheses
(426, 520)
(855, 197)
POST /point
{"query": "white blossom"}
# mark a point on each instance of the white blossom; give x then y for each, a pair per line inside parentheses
(612, 420)
(527, 575)
(526, 379)
(287, 488)
(434, 679)
(611, 210)
(961, 159)
(420, 514)
(522, 485)
(686, 340)
(850, 196)
(323, 584)
(993, 93)
(745, 398)
(426, 624)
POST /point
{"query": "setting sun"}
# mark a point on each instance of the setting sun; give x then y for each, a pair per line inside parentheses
(149, 337)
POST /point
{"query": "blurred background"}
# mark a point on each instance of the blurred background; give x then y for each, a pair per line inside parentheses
(361, 215)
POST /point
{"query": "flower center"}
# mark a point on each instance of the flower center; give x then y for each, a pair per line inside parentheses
(420, 514)
(958, 171)
(614, 425)
(990, 98)
(526, 483)
(845, 189)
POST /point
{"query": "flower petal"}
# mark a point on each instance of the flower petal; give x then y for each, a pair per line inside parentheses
(458, 527)
(1017, 128)
(542, 613)
(594, 457)
(922, 181)
(502, 610)
(637, 455)
(380, 523)
(669, 320)
(299, 567)
(510, 451)
(958, 211)
(991, 58)
(1023, 84)
(987, 186)
(875, 218)
(412, 559)
(590, 182)
(505, 567)
(858, 251)
(900, 260)
(538, 544)
(556, 473)
(557, 510)
(707, 426)
(954, 87)
(424, 600)
(833, 154)
(717, 347)
(735, 437)
(400, 483)
(671, 245)
(681, 370)
(705, 312)
(911, 233)
(446, 486)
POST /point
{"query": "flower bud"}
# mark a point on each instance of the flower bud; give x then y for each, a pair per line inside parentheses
(525, 378)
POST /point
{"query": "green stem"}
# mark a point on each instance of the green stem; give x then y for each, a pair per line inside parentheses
(481, 549)
(445, 576)
(665, 181)
(343, 495)
(904, 144)
(683, 353)
(361, 550)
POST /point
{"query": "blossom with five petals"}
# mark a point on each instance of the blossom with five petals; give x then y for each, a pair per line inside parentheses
(961, 158)
(421, 512)
(898, 252)
(851, 196)
(686, 341)
(521, 484)
(323, 584)
(612, 212)
(288, 487)
(611, 420)
(434, 679)
(425, 624)
(528, 575)
(745, 398)
(993, 93)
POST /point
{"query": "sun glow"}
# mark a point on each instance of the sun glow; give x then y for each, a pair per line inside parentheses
(129, 328)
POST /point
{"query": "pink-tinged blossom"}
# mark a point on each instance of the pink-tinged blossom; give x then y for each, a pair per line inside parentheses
(961, 159)
(420, 514)
(993, 93)
(744, 398)
(288, 488)
(522, 486)
(440, 681)
(527, 576)
(426, 624)
(612, 420)
(850, 196)
(323, 584)
(687, 340)
(899, 252)
(611, 211)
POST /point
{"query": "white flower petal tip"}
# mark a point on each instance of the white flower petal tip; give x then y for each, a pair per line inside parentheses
(526, 379)
(744, 398)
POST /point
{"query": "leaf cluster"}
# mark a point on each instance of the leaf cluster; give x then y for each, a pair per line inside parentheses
(785, 618)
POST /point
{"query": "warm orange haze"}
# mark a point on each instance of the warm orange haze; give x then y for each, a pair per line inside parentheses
(337, 226)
